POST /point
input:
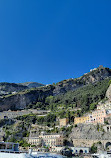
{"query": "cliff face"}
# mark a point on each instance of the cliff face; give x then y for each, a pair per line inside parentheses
(108, 93)
(91, 132)
(91, 77)
(21, 99)
(6, 88)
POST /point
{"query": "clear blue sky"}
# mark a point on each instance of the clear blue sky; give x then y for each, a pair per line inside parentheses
(51, 40)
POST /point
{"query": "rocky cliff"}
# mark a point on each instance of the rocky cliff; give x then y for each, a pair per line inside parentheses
(73, 84)
(21, 99)
(6, 88)
(90, 132)
(108, 93)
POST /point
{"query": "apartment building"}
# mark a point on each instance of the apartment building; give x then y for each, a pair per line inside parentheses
(98, 116)
(63, 122)
(95, 117)
(52, 139)
(35, 141)
(49, 140)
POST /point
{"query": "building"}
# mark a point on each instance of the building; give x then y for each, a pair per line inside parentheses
(49, 140)
(34, 138)
(95, 117)
(104, 105)
(63, 122)
(35, 141)
(52, 139)
(80, 150)
(98, 116)
(107, 128)
(9, 146)
(82, 119)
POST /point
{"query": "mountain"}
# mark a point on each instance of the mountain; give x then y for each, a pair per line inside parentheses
(32, 84)
(9, 88)
(80, 92)
(92, 77)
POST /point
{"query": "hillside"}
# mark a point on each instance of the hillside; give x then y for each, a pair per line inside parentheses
(32, 84)
(8, 88)
(80, 92)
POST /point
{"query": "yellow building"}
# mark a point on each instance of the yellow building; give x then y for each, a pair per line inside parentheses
(63, 122)
(82, 119)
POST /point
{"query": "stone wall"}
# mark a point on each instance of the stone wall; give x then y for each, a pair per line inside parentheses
(89, 142)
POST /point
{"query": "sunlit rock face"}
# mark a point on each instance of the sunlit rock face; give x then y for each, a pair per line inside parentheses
(108, 93)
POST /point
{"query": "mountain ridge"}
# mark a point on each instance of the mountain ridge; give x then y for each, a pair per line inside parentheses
(26, 97)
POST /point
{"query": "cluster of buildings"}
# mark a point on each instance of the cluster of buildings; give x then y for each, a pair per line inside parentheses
(95, 117)
(49, 140)
(55, 143)
(98, 116)
(104, 105)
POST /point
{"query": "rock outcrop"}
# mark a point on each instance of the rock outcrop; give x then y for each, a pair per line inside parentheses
(90, 132)
(6, 88)
(22, 99)
(108, 93)
(73, 84)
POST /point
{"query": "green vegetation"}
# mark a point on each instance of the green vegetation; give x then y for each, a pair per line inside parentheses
(48, 120)
(65, 99)
(15, 132)
(85, 97)
(79, 101)
(93, 149)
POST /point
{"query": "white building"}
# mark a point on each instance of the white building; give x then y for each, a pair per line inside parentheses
(49, 140)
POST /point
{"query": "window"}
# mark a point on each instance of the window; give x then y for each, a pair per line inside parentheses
(2, 146)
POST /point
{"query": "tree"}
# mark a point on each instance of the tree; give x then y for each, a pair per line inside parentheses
(93, 149)
(93, 106)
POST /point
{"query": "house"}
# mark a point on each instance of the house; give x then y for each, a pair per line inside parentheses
(63, 122)
(82, 119)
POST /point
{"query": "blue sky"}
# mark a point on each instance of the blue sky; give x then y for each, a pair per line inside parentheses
(51, 40)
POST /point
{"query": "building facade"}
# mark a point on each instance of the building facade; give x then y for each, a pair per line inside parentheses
(80, 150)
(35, 141)
(52, 139)
(97, 116)
(82, 119)
(49, 140)
(106, 105)
(63, 122)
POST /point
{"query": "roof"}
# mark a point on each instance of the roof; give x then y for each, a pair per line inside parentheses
(8, 143)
